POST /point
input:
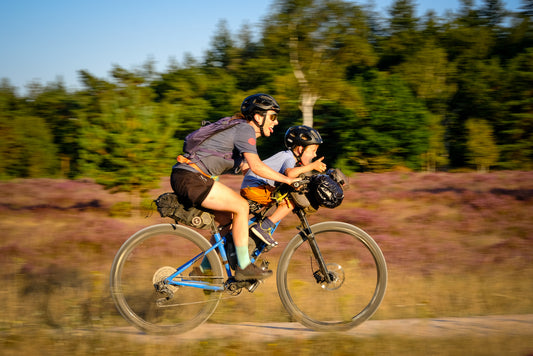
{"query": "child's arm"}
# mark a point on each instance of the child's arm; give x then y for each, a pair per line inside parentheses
(316, 165)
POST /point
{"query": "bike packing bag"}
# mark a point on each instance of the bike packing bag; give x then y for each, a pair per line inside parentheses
(169, 206)
(325, 192)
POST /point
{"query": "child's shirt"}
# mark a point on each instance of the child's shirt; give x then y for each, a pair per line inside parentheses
(279, 162)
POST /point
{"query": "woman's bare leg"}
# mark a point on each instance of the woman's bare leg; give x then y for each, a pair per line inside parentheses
(223, 198)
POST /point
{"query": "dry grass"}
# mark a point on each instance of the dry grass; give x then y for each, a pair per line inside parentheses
(456, 245)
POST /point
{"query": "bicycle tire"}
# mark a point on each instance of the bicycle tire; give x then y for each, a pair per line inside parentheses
(151, 253)
(359, 268)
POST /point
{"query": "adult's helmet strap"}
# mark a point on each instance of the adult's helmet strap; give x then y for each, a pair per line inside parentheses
(261, 126)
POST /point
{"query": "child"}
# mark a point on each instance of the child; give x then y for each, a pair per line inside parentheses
(302, 143)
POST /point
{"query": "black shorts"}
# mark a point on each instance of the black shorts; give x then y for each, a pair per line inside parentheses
(190, 187)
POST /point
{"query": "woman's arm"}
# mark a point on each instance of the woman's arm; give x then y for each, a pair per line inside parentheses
(262, 170)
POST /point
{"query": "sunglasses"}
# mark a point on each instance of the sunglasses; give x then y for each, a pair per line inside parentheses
(273, 117)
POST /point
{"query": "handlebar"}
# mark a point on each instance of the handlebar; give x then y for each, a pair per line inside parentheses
(301, 183)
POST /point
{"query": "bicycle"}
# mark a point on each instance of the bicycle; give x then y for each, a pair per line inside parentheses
(331, 276)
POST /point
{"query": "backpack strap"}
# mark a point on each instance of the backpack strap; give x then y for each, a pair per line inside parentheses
(185, 160)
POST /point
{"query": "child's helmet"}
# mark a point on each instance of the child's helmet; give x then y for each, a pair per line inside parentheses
(301, 136)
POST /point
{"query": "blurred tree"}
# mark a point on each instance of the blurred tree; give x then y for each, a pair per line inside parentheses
(255, 65)
(332, 120)
(430, 75)
(185, 88)
(473, 63)
(222, 88)
(482, 150)
(493, 13)
(521, 32)
(31, 152)
(57, 107)
(26, 146)
(432, 27)
(527, 8)
(9, 100)
(127, 140)
(468, 16)
(321, 38)
(222, 51)
(470, 44)
(514, 131)
(9, 105)
(394, 130)
(479, 94)
(436, 156)
(402, 38)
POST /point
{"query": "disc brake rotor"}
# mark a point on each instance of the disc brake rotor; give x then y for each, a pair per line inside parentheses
(159, 277)
(336, 273)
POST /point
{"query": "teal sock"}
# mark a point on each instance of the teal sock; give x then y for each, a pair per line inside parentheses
(205, 265)
(242, 256)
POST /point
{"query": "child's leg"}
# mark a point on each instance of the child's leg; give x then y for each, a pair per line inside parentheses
(263, 229)
(282, 211)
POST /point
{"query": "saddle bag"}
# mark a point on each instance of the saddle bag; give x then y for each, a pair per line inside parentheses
(169, 206)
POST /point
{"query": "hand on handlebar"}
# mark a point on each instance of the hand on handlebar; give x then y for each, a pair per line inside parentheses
(300, 182)
(295, 182)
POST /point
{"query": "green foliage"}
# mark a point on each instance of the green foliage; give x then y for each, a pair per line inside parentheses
(57, 107)
(127, 142)
(514, 130)
(436, 155)
(26, 149)
(394, 130)
(429, 74)
(403, 38)
(368, 84)
(482, 151)
(26, 145)
(324, 39)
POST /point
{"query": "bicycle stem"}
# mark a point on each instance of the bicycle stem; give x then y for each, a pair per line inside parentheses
(310, 237)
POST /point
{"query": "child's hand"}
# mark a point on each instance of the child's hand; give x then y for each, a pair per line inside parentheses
(318, 165)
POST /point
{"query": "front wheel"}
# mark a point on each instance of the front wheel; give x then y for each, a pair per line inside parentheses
(145, 260)
(356, 284)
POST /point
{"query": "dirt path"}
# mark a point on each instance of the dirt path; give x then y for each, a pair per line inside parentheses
(423, 328)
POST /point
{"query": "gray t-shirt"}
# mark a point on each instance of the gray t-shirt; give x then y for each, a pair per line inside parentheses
(232, 142)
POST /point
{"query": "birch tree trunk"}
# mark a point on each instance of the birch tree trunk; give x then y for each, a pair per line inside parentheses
(308, 96)
(307, 102)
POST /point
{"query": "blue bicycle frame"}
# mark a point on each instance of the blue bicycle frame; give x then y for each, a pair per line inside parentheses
(219, 244)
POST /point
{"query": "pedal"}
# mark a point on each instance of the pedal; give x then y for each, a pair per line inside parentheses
(264, 264)
(254, 286)
(232, 287)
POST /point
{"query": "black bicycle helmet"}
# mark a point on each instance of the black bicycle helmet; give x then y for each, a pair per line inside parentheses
(302, 136)
(258, 104)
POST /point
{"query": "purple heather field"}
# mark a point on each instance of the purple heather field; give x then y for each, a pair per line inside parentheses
(424, 222)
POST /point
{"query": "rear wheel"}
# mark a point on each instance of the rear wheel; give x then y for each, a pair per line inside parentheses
(146, 259)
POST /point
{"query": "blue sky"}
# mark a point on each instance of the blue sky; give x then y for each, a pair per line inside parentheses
(47, 40)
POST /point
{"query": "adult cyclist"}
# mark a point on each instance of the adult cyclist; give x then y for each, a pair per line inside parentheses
(194, 184)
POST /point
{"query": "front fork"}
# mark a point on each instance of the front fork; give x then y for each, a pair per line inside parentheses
(322, 274)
